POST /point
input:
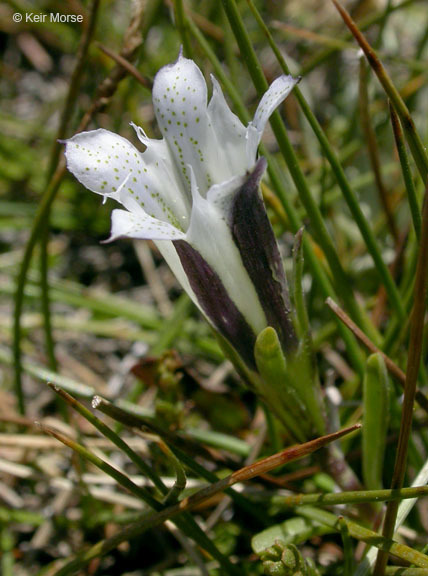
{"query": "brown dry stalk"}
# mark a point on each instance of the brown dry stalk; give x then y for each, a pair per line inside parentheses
(413, 364)
(373, 151)
(415, 143)
(246, 473)
(121, 61)
(390, 364)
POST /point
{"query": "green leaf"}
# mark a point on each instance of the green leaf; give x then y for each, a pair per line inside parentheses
(376, 392)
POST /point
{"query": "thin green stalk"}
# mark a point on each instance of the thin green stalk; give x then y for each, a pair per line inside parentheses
(8, 516)
(111, 435)
(348, 553)
(376, 407)
(416, 145)
(41, 373)
(347, 192)
(342, 281)
(105, 91)
(38, 223)
(400, 571)
(272, 429)
(298, 297)
(120, 477)
(102, 302)
(373, 150)
(180, 481)
(73, 90)
(413, 363)
(181, 24)
(392, 367)
(314, 263)
(146, 522)
(406, 171)
(125, 413)
(110, 327)
(192, 529)
(229, 50)
(66, 116)
(178, 446)
(45, 300)
(309, 387)
(365, 535)
(219, 440)
(272, 366)
(349, 497)
(396, 330)
(404, 510)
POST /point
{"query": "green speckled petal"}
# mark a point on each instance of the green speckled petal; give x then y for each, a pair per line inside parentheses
(110, 165)
(180, 102)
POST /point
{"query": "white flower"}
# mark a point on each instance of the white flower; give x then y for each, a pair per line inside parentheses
(195, 193)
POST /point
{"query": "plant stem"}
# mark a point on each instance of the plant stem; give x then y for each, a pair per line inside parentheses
(106, 89)
(45, 300)
(407, 173)
(181, 23)
(373, 150)
(38, 223)
(110, 434)
(349, 497)
(66, 116)
(365, 535)
(413, 362)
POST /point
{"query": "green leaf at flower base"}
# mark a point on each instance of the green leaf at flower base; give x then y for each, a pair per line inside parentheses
(279, 391)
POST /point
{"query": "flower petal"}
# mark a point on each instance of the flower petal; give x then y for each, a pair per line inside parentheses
(215, 301)
(209, 233)
(169, 253)
(272, 98)
(180, 102)
(101, 160)
(110, 165)
(141, 225)
(164, 182)
(230, 133)
(255, 240)
(222, 195)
